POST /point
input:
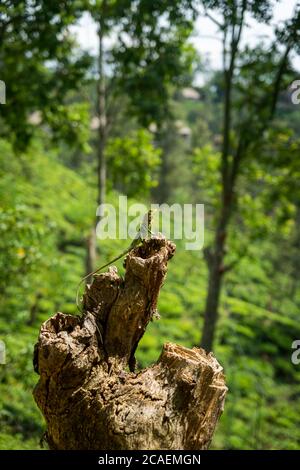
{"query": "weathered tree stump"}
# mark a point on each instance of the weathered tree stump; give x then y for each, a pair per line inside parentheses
(89, 392)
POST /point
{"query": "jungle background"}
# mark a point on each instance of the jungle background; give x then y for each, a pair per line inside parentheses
(148, 116)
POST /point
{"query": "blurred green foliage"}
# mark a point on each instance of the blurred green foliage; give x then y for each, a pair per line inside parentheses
(41, 66)
(45, 211)
(142, 159)
(46, 214)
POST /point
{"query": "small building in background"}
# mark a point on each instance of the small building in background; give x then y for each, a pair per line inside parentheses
(190, 93)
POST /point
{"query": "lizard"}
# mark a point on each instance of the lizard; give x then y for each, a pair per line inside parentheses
(144, 230)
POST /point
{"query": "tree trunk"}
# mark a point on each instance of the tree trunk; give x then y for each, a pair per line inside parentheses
(90, 254)
(230, 170)
(161, 193)
(34, 309)
(166, 141)
(212, 299)
(216, 265)
(90, 399)
(101, 92)
(101, 161)
(216, 271)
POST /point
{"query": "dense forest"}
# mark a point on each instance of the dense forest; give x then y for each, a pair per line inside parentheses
(149, 118)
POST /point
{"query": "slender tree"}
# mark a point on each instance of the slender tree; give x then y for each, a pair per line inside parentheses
(251, 90)
(146, 55)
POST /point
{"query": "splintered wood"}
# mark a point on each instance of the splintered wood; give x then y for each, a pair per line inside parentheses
(89, 391)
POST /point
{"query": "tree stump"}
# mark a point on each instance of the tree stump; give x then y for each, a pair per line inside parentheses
(88, 390)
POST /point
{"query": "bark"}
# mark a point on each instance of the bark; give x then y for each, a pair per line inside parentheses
(230, 170)
(229, 175)
(166, 140)
(89, 392)
(216, 271)
(229, 178)
(34, 309)
(101, 145)
(90, 254)
(161, 193)
(101, 105)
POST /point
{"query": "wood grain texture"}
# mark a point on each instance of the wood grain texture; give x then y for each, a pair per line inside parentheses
(88, 390)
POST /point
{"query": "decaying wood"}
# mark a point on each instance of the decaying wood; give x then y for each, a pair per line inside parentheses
(89, 392)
